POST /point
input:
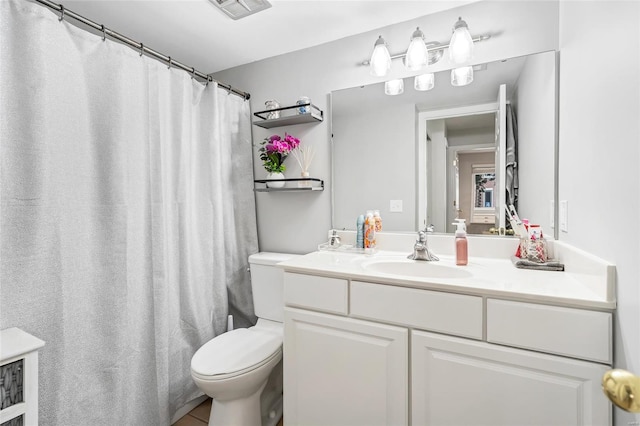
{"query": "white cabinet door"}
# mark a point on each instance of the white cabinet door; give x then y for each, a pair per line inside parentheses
(342, 371)
(462, 382)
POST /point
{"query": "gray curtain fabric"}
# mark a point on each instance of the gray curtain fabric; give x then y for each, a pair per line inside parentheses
(511, 176)
(126, 218)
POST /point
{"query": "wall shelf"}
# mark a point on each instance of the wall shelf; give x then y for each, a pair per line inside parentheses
(291, 116)
(290, 185)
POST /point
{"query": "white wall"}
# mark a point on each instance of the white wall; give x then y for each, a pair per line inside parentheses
(599, 155)
(382, 173)
(297, 222)
(472, 137)
(535, 90)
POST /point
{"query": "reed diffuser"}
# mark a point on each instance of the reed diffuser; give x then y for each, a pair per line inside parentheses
(304, 156)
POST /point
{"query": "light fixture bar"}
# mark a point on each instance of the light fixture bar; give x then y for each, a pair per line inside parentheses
(430, 49)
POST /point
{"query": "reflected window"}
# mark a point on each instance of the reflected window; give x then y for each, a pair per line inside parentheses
(484, 184)
(484, 181)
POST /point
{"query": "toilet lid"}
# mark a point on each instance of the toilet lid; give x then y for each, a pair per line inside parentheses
(234, 351)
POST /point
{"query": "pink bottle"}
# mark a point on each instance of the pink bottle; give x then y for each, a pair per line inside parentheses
(462, 255)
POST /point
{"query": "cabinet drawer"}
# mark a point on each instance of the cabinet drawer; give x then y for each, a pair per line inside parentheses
(570, 332)
(428, 310)
(319, 293)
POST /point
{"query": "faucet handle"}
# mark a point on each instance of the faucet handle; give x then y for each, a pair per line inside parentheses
(422, 237)
(430, 228)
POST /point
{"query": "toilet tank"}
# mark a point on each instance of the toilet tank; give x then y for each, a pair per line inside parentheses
(267, 284)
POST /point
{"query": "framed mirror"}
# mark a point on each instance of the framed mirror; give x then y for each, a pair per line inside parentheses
(412, 156)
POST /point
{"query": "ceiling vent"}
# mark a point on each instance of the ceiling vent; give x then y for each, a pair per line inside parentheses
(236, 9)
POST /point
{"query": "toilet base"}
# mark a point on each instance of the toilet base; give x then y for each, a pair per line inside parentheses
(237, 412)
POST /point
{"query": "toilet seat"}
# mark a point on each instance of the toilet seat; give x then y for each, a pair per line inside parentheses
(234, 353)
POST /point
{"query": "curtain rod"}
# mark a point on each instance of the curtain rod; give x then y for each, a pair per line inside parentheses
(138, 46)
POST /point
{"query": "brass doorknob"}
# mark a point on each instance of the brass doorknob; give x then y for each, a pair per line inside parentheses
(623, 389)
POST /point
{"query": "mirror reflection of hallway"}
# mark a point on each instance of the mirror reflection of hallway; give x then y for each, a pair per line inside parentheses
(465, 141)
(476, 178)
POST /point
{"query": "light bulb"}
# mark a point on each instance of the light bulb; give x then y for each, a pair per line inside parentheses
(417, 56)
(423, 82)
(380, 61)
(461, 45)
(394, 87)
(461, 76)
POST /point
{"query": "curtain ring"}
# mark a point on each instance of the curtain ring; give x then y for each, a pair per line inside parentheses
(141, 49)
(207, 83)
(169, 62)
(193, 73)
(229, 90)
(61, 13)
(104, 33)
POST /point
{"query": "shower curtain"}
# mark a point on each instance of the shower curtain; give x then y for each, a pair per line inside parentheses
(127, 216)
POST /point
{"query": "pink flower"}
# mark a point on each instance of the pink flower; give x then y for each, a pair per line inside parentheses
(270, 147)
(292, 141)
(281, 146)
(275, 150)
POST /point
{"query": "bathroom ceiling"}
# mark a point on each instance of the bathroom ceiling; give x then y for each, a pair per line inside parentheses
(198, 34)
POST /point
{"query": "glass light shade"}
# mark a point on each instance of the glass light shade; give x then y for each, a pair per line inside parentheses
(417, 56)
(461, 45)
(380, 61)
(423, 82)
(394, 87)
(461, 76)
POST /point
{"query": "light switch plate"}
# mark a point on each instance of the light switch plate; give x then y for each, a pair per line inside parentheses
(395, 206)
(564, 216)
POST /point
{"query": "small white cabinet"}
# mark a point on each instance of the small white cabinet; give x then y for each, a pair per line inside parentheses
(19, 377)
(342, 371)
(462, 382)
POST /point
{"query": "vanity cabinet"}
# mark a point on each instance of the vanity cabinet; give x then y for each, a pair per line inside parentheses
(365, 353)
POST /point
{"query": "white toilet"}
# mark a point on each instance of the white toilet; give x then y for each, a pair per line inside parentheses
(233, 367)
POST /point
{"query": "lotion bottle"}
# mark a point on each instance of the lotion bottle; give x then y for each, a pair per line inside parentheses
(360, 232)
(378, 220)
(369, 231)
(461, 243)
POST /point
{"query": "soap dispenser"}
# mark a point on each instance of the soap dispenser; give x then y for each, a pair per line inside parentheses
(461, 242)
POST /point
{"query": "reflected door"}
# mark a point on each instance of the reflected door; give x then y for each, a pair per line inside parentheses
(501, 159)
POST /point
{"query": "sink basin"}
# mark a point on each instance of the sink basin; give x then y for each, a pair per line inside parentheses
(417, 269)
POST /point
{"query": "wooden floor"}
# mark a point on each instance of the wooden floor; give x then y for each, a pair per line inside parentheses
(199, 416)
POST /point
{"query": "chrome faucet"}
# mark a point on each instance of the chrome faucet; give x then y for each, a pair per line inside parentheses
(421, 249)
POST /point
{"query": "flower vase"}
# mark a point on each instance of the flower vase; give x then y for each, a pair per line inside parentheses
(275, 184)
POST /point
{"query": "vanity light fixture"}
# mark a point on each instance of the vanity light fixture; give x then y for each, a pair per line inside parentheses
(461, 44)
(394, 87)
(417, 56)
(380, 61)
(424, 81)
(461, 76)
(460, 50)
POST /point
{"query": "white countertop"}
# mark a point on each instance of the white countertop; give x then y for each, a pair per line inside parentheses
(488, 277)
